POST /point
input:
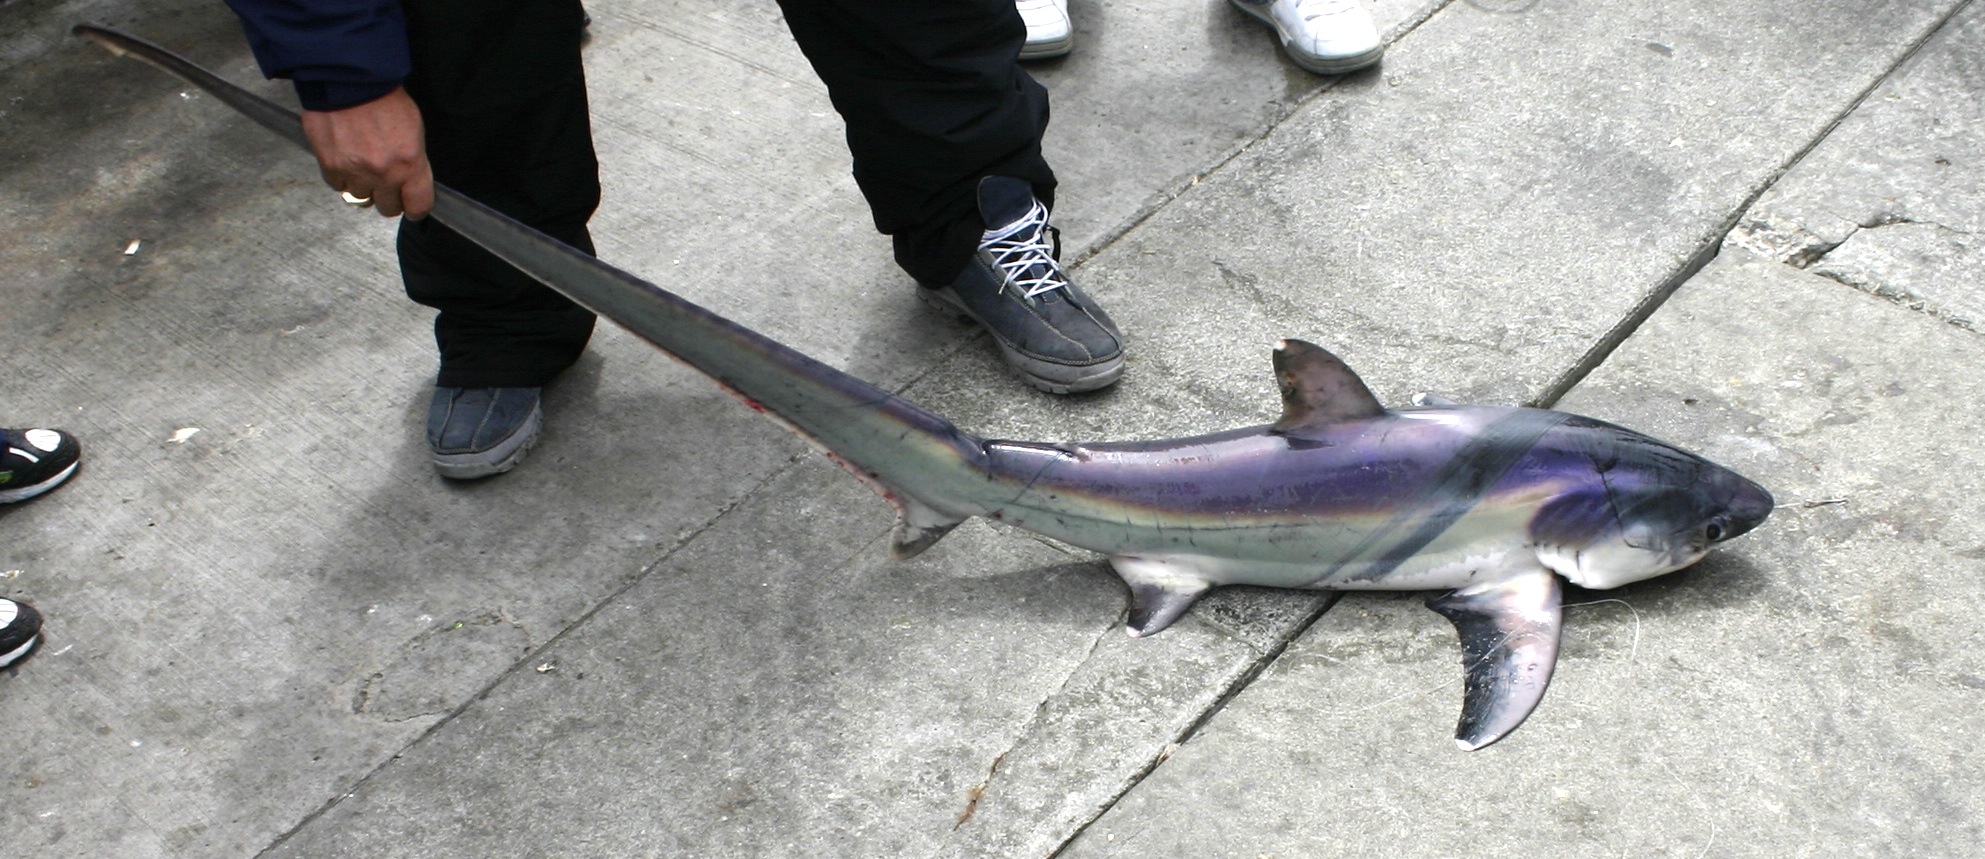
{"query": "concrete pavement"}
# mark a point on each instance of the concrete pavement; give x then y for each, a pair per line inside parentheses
(674, 631)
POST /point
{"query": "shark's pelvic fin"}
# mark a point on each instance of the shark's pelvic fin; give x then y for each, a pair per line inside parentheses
(1509, 644)
(1318, 389)
(1160, 592)
(918, 526)
(1433, 400)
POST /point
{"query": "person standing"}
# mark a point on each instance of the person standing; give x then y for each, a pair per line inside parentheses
(489, 97)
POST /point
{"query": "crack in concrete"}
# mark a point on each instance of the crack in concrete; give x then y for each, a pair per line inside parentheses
(1794, 245)
(371, 690)
(1233, 690)
(1902, 298)
(1882, 221)
(978, 791)
(521, 665)
(362, 699)
(1712, 244)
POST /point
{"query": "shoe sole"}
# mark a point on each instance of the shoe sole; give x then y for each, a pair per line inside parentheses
(1336, 65)
(1048, 50)
(1066, 379)
(1312, 63)
(23, 619)
(8, 659)
(496, 460)
(24, 493)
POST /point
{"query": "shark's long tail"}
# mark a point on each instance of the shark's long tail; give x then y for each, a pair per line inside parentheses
(914, 458)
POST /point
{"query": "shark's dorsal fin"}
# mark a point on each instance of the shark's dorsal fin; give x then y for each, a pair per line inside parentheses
(1318, 389)
(1509, 644)
(1159, 592)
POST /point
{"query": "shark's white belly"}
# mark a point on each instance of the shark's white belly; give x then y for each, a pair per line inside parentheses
(1480, 562)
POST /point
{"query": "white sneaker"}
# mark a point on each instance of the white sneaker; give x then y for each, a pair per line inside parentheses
(1329, 37)
(1049, 33)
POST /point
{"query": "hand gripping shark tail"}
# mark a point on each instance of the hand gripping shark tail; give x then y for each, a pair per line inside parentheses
(856, 424)
(1490, 505)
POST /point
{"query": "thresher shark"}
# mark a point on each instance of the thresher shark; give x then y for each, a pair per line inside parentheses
(1490, 505)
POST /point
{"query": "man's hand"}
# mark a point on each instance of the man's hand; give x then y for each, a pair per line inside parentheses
(375, 150)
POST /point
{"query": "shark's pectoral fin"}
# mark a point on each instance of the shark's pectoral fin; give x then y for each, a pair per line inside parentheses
(1160, 591)
(1509, 644)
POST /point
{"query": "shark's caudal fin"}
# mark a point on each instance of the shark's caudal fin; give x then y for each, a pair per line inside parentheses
(914, 458)
(1509, 645)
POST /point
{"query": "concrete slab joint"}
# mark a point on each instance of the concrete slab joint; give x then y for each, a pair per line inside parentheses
(1892, 199)
(676, 634)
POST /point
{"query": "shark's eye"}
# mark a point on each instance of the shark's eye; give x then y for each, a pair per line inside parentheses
(1713, 531)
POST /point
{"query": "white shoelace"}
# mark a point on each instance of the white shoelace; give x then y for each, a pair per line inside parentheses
(1023, 256)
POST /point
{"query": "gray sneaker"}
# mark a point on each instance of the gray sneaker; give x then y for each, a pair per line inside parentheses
(477, 432)
(1058, 339)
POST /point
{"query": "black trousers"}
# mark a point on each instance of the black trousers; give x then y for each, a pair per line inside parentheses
(933, 98)
(503, 98)
(930, 92)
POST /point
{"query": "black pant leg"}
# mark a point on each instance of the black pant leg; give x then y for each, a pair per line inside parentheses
(502, 94)
(934, 99)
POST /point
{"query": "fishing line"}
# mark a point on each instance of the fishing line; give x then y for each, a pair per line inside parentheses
(1415, 693)
(1632, 650)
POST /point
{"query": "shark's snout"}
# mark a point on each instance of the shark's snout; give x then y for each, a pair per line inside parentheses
(1748, 507)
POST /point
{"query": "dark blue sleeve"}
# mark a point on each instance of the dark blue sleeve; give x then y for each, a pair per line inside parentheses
(338, 53)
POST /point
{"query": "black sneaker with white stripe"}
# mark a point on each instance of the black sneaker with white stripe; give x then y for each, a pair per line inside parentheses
(33, 461)
(20, 631)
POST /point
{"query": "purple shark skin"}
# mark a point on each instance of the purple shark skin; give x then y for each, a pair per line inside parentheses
(1491, 505)
(1361, 505)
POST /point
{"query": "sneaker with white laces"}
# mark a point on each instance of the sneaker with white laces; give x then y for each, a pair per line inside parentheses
(1329, 37)
(20, 631)
(33, 461)
(1049, 32)
(1046, 328)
